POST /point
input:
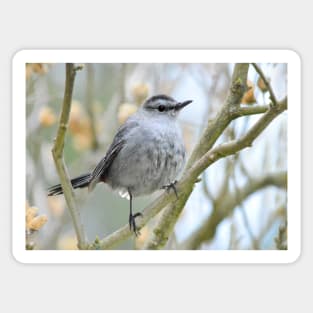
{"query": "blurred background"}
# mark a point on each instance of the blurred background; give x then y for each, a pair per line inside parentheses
(241, 200)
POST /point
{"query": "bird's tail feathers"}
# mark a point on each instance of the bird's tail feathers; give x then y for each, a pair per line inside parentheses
(78, 182)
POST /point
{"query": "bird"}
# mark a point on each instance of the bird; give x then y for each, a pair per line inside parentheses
(147, 154)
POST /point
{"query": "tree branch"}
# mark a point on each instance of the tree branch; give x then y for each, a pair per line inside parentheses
(251, 110)
(224, 207)
(234, 146)
(57, 152)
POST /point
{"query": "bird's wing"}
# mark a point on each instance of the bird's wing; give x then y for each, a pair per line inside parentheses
(117, 145)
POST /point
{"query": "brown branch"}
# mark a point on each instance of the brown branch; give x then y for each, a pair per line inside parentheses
(251, 110)
(266, 82)
(245, 141)
(57, 152)
(223, 207)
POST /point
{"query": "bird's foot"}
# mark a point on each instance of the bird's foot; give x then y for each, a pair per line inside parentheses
(132, 223)
(171, 186)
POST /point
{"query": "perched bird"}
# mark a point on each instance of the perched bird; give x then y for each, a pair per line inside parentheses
(147, 154)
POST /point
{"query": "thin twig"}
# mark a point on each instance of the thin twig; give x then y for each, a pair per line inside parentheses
(251, 110)
(57, 152)
(266, 82)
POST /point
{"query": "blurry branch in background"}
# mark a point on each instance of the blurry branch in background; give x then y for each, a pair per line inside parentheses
(205, 187)
(122, 87)
(280, 213)
(202, 157)
(57, 152)
(254, 240)
(89, 104)
(225, 204)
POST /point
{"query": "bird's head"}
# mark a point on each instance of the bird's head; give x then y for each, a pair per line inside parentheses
(164, 105)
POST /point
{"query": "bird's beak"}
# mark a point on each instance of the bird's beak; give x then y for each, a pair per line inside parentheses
(181, 105)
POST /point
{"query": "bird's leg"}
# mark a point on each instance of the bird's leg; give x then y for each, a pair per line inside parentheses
(132, 218)
(171, 186)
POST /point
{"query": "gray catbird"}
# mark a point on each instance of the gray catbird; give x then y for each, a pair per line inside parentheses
(146, 154)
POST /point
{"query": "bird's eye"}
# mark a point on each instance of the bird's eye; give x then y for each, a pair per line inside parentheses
(161, 108)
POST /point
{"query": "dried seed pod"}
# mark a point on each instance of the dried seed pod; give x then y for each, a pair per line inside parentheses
(37, 222)
(33, 220)
(248, 97)
(261, 84)
(46, 117)
(140, 93)
(125, 111)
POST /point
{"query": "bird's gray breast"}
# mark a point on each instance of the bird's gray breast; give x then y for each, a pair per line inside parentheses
(150, 159)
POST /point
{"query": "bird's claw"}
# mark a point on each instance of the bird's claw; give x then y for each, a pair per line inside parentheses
(132, 223)
(171, 186)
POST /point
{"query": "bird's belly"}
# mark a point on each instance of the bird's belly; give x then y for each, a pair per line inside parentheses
(143, 169)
